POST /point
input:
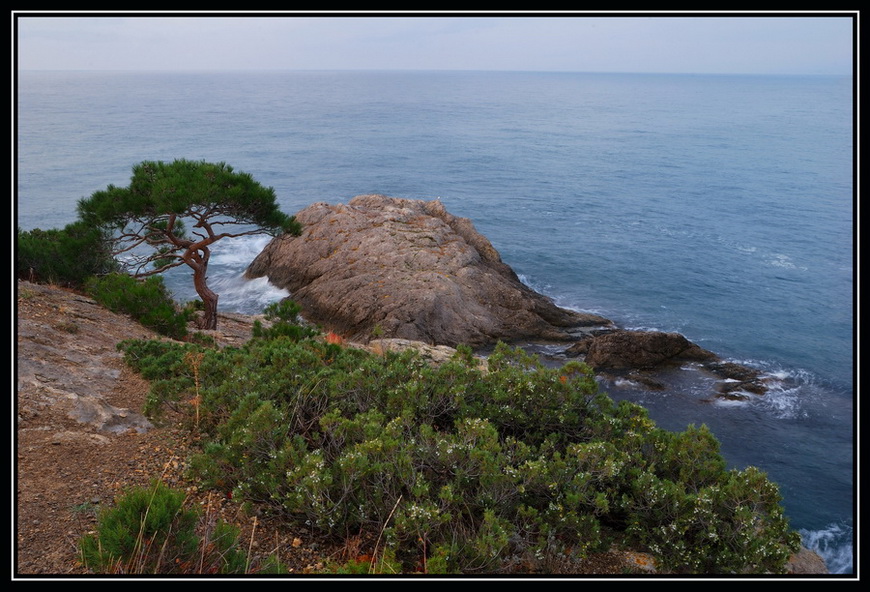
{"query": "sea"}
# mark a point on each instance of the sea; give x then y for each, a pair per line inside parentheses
(718, 206)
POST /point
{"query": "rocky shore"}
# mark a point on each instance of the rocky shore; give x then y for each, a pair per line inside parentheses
(385, 267)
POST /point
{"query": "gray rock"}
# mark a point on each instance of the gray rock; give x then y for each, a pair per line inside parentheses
(806, 561)
(77, 372)
(408, 269)
(433, 354)
(635, 354)
(640, 350)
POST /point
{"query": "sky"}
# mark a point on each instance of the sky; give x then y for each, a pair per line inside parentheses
(703, 43)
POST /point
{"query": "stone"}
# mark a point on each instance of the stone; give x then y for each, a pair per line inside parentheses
(640, 350)
(634, 355)
(806, 562)
(408, 269)
(739, 381)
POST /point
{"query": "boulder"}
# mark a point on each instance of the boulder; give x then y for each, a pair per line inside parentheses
(738, 380)
(637, 354)
(639, 350)
(408, 269)
(805, 562)
(435, 355)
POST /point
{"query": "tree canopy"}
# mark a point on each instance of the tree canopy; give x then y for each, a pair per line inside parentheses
(148, 219)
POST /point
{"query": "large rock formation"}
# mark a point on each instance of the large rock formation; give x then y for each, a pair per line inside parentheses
(408, 269)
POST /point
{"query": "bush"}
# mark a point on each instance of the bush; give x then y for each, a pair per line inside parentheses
(147, 301)
(148, 531)
(66, 257)
(466, 471)
(170, 368)
(284, 316)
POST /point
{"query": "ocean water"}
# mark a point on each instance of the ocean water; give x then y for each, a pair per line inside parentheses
(717, 206)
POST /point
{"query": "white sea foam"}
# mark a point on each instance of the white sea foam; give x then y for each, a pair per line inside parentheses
(784, 261)
(782, 402)
(722, 402)
(833, 544)
(240, 251)
(238, 294)
(780, 374)
(783, 398)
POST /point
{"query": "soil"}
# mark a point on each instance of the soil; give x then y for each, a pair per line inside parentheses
(81, 441)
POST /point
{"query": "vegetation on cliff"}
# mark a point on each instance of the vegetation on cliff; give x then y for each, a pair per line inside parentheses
(460, 469)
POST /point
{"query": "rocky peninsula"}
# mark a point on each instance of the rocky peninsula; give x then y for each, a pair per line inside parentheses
(386, 267)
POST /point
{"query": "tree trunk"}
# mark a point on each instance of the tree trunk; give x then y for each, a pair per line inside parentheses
(208, 321)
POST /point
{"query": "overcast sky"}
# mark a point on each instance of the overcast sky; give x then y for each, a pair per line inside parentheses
(720, 44)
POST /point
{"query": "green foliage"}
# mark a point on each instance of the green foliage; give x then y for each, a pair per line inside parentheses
(384, 564)
(148, 301)
(145, 527)
(148, 531)
(284, 316)
(167, 365)
(463, 470)
(66, 257)
(159, 190)
(146, 222)
(733, 526)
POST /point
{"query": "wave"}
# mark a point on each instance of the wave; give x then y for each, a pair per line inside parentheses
(833, 544)
(230, 258)
(784, 261)
(238, 252)
(792, 393)
(246, 296)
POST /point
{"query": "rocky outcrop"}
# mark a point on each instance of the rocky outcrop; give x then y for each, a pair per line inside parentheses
(638, 354)
(67, 361)
(383, 267)
(640, 350)
(408, 269)
(806, 562)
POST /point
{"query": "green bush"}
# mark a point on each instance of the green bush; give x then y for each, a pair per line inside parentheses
(284, 316)
(65, 257)
(143, 533)
(463, 470)
(147, 301)
(148, 531)
(170, 368)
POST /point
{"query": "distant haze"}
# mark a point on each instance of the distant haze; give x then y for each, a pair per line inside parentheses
(789, 43)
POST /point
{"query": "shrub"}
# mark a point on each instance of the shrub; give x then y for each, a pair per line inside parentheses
(284, 315)
(66, 257)
(144, 532)
(168, 366)
(466, 471)
(149, 531)
(147, 301)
